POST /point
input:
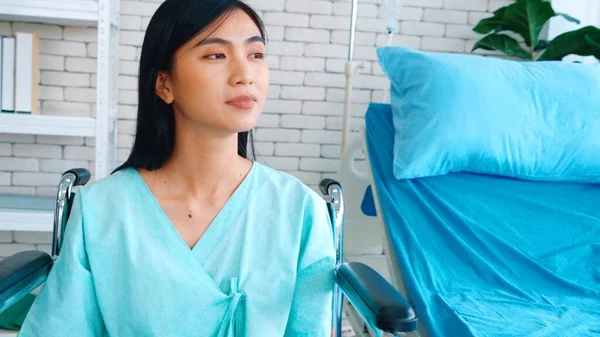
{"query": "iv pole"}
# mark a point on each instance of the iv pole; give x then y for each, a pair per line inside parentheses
(390, 10)
(350, 69)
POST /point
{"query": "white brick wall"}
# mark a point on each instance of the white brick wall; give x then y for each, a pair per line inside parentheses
(300, 129)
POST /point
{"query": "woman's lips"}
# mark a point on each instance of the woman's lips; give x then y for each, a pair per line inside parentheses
(243, 102)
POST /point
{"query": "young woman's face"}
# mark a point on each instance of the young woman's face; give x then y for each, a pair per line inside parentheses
(220, 79)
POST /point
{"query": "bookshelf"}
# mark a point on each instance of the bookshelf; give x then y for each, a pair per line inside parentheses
(103, 14)
(59, 12)
(47, 125)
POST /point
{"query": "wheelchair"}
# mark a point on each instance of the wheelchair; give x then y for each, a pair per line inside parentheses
(380, 306)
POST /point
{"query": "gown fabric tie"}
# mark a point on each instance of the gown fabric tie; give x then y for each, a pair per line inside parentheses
(231, 321)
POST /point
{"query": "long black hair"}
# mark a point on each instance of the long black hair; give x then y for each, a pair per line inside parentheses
(173, 24)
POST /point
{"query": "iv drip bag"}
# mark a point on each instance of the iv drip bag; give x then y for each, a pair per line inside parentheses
(390, 10)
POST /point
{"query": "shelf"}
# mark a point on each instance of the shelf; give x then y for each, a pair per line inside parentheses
(26, 220)
(47, 125)
(60, 12)
(26, 213)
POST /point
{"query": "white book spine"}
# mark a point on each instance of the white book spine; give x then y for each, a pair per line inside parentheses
(8, 73)
(24, 73)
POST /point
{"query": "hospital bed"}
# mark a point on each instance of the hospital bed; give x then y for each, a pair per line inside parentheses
(476, 253)
(374, 298)
(443, 242)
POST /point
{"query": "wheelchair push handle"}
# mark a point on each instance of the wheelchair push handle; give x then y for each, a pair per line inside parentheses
(64, 202)
(82, 176)
(326, 184)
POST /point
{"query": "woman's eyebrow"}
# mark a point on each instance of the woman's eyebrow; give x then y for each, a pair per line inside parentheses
(218, 40)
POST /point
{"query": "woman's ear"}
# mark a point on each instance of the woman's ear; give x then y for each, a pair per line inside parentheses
(163, 87)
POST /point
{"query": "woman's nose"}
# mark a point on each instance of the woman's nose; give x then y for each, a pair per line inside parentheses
(241, 73)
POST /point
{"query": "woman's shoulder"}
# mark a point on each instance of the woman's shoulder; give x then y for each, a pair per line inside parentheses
(109, 187)
(287, 183)
(291, 195)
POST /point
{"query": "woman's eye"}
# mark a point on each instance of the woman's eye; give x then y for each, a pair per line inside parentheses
(216, 56)
(258, 55)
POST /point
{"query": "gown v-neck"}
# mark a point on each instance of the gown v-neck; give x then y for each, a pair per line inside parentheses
(216, 230)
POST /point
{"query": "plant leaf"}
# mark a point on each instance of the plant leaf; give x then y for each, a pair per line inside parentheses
(503, 43)
(500, 28)
(527, 18)
(542, 44)
(568, 18)
(492, 23)
(583, 42)
(593, 39)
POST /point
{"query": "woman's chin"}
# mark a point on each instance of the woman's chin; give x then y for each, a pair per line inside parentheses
(243, 123)
(243, 126)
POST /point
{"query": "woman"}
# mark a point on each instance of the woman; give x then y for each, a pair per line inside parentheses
(189, 237)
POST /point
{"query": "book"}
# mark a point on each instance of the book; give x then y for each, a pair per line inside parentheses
(8, 73)
(26, 73)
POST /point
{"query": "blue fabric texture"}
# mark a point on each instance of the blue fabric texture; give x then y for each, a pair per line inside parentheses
(457, 113)
(485, 255)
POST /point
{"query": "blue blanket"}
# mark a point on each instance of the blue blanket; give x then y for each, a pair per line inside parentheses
(491, 256)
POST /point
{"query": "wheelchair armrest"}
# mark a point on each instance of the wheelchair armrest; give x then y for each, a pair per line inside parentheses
(375, 298)
(20, 274)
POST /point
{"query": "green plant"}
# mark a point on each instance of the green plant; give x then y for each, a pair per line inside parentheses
(527, 18)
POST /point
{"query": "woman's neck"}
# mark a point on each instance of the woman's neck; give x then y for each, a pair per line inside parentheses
(202, 164)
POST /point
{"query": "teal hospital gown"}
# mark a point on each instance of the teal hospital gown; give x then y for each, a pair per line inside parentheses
(264, 267)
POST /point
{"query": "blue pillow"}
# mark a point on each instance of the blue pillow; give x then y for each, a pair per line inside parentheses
(528, 120)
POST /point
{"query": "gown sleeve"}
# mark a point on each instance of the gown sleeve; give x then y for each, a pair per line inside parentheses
(67, 305)
(311, 311)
